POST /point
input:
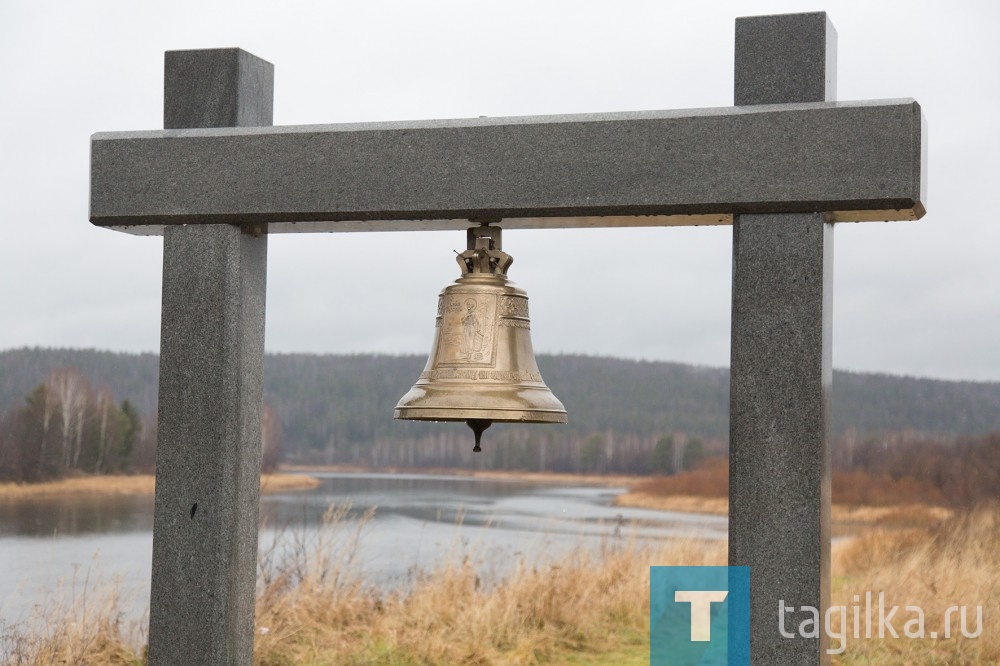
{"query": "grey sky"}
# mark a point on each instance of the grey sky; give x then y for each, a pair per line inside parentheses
(916, 298)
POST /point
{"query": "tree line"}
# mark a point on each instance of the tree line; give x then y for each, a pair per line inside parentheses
(962, 471)
(70, 424)
(538, 448)
(902, 468)
(67, 425)
(624, 416)
(332, 407)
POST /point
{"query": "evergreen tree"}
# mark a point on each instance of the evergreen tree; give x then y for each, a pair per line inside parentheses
(663, 456)
(694, 453)
(132, 428)
(589, 454)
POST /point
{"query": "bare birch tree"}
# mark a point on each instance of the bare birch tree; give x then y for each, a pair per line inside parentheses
(104, 404)
(72, 391)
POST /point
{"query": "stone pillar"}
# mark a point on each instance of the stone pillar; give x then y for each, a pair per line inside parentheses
(779, 497)
(211, 391)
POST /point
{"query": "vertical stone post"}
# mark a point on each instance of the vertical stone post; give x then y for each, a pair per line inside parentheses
(211, 390)
(779, 497)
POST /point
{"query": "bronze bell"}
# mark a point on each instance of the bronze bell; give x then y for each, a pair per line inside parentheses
(481, 368)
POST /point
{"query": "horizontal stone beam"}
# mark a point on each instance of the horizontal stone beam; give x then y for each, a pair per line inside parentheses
(855, 161)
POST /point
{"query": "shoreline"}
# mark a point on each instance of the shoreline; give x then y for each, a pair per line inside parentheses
(298, 477)
(132, 484)
(843, 515)
(610, 480)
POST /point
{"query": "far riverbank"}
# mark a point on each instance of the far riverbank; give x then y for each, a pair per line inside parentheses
(297, 477)
(132, 484)
(608, 481)
(843, 515)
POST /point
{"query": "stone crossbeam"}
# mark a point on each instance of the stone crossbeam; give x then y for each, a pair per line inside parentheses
(854, 161)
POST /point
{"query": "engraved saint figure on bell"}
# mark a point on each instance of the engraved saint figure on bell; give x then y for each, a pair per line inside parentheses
(468, 330)
(473, 342)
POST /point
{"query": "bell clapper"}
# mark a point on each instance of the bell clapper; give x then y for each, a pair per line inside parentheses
(478, 426)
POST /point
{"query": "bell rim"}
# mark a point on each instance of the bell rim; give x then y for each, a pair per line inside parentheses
(495, 415)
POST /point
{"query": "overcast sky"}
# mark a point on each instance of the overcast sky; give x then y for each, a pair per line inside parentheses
(916, 298)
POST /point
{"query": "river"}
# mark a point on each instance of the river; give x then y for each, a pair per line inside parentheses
(48, 545)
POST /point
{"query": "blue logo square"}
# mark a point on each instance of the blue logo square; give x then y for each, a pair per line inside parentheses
(699, 616)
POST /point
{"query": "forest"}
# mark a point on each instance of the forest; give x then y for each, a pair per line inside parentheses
(65, 425)
(68, 426)
(67, 411)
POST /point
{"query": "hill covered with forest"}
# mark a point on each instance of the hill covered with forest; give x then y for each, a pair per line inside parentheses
(338, 408)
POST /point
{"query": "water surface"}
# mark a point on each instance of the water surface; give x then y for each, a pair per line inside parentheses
(419, 520)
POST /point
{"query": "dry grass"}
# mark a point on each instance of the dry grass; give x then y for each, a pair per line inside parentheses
(134, 484)
(710, 479)
(279, 483)
(904, 516)
(591, 607)
(843, 517)
(83, 622)
(138, 484)
(717, 506)
(859, 499)
(863, 489)
(314, 608)
(591, 603)
(954, 563)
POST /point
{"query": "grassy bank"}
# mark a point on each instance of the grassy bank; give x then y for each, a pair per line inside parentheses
(591, 607)
(313, 607)
(858, 499)
(842, 515)
(953, 563)
(587, 607)
(134, 484)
